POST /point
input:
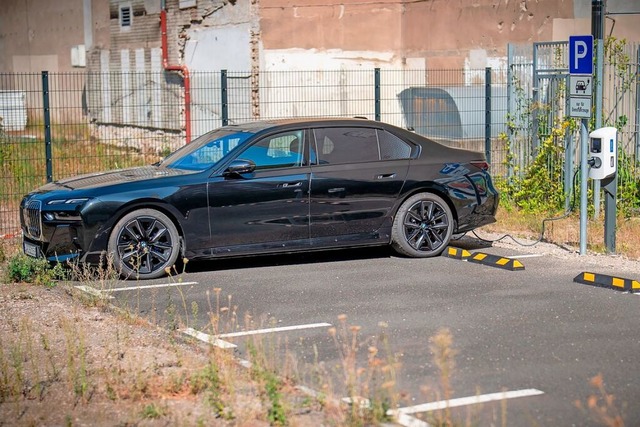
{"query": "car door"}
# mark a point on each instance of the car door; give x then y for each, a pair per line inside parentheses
(268, 209)
(356, 176)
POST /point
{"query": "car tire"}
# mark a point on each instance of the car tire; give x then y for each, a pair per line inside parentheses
(422, 227)
(143, 244)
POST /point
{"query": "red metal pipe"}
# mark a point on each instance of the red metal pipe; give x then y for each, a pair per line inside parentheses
(183, 69)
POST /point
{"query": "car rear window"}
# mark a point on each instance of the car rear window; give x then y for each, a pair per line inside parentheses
(392, 147)
(341, 145)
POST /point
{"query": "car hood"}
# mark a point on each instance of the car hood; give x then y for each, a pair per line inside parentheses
(120, 176)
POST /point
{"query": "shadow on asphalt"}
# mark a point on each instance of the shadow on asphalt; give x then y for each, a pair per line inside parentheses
(314, 257)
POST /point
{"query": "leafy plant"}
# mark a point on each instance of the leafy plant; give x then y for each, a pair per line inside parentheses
(272, 384)
(540, 188)
(22, 268)
(628, 196)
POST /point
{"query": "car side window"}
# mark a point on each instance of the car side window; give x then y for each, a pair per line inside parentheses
(278, 151)
(346, 145)
(208, 154)
(392, 147)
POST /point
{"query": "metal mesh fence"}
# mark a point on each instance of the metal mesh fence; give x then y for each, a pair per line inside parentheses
(621, 109)
(60, 124)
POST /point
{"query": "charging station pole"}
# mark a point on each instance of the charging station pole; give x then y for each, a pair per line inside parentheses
(584, 177)
(597, 30)
(580, 94)
(609, 185)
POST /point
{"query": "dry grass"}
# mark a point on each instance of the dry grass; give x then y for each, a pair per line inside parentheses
(566, 232)
(602, 405)
(67, 361)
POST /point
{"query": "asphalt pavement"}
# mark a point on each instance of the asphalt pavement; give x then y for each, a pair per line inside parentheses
(533, 332)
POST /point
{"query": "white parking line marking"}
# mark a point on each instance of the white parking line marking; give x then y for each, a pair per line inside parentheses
(270, 330)
(408, 421)
(471, 400)
(526, 256)
(218, 342)
(244, 363)
(209, 339)
(93, 291)
(162, 285)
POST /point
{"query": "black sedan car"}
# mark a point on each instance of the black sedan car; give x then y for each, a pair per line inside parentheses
(266, 187)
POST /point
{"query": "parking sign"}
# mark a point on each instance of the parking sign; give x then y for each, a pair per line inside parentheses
(581, 54)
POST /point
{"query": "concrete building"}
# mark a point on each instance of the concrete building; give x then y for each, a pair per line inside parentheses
(38, 35)
(169, 39)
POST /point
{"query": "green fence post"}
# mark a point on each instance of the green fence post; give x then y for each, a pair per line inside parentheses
(378, 115)
(223, 96)
(47, 124)
(637, 133)
(487, 113)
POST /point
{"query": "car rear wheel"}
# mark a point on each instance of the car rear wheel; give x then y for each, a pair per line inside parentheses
(423, 226)
(143, 243)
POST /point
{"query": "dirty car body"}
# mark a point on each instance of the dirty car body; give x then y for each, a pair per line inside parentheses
(266, 187)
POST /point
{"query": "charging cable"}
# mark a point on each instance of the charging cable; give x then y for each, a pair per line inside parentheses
(544, 221)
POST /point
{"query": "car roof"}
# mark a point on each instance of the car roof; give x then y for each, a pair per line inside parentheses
(265, 126)
(260, 125)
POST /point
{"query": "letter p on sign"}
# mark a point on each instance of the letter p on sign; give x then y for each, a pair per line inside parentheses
(581, 54)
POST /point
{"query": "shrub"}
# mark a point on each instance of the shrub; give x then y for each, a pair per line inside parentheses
(22, 268)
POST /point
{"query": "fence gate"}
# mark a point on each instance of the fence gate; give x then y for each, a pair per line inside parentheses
(551, 104)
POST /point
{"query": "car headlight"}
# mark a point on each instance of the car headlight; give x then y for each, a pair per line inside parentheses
(77, 201)
(68, 209)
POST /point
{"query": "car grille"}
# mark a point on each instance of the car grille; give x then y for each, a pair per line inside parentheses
(33, 219)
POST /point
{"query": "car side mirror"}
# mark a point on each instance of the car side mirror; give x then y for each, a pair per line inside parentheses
(238, 167)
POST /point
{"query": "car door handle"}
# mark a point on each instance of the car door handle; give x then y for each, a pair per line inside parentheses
(290, 184)
(386, 176)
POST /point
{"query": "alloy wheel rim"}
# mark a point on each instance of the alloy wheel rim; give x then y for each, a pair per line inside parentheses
(425, 226)
(144, 244)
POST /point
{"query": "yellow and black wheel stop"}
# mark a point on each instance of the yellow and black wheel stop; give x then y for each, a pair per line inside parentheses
(606, 281)
(496, 261)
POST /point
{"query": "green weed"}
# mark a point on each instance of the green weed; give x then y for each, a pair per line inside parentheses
(22, 268)
(153, 411)
(271, 384)
(208, 381)
(77, 363)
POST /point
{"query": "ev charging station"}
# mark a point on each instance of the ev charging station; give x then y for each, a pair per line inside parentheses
(603, 152)
(598, 149)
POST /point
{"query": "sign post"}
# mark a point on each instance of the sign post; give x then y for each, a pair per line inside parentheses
(580, 91)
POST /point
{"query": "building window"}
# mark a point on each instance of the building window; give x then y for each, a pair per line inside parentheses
(126, 15)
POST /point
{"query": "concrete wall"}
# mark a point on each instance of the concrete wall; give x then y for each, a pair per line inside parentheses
(434, 34)
(331, 36)
(38, 35)
(295, 34)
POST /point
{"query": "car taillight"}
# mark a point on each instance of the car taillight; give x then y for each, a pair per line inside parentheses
(482, 165)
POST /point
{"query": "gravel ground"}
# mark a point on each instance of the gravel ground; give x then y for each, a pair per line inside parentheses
(590, 259)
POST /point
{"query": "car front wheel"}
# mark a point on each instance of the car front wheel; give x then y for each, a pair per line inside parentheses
(423, 226)
(143, 243)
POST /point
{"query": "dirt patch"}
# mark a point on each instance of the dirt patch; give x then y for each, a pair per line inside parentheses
(66, 360)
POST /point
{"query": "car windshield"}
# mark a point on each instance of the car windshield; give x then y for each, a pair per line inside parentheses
(206, 151)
